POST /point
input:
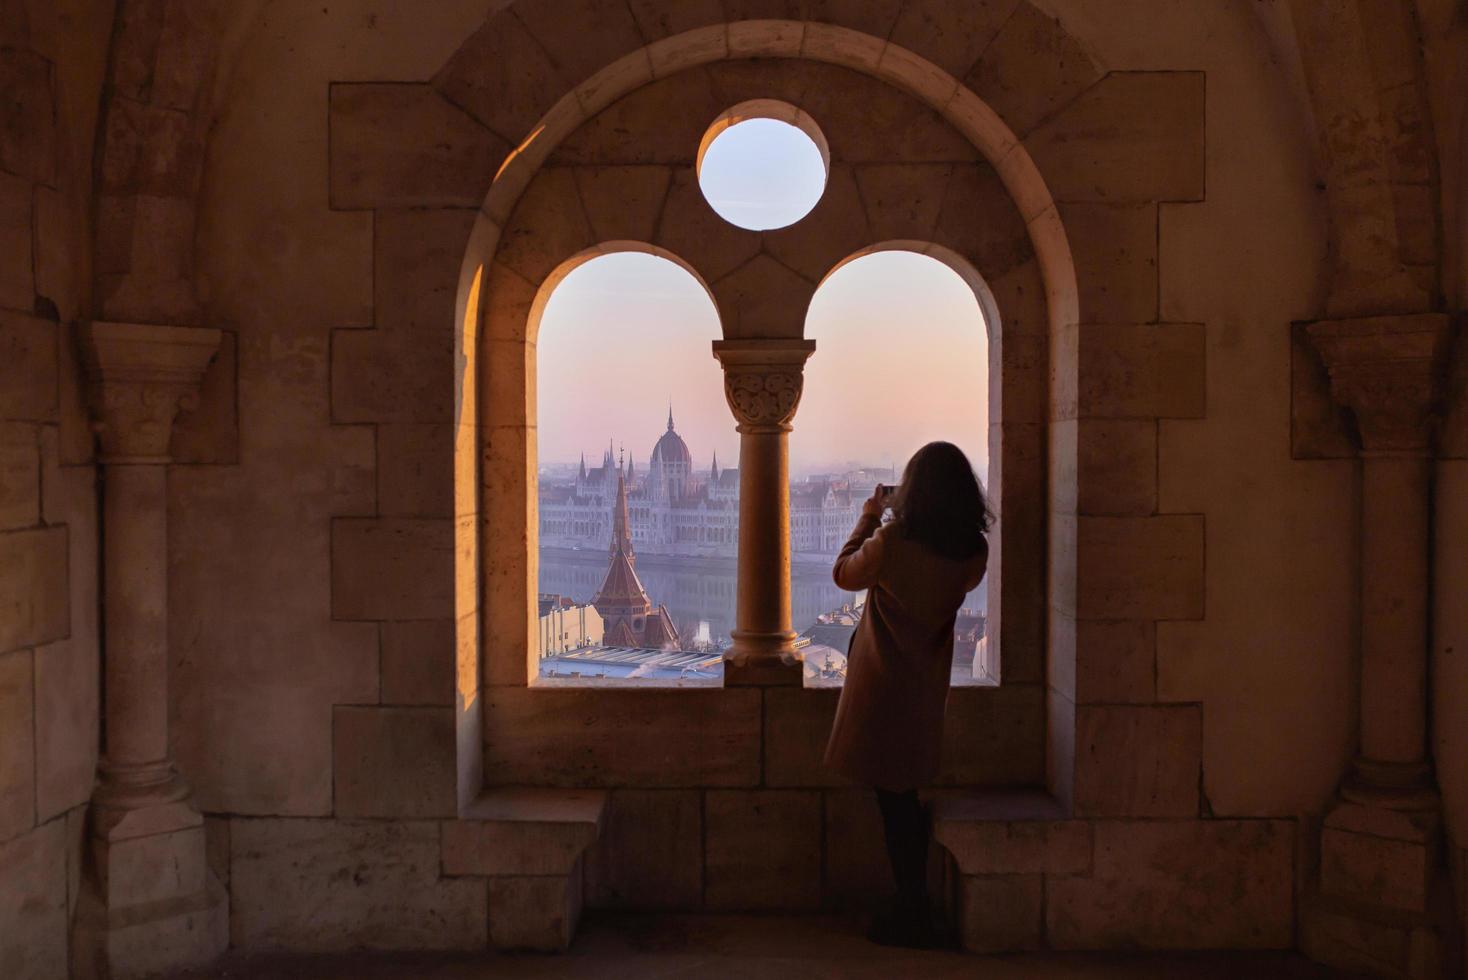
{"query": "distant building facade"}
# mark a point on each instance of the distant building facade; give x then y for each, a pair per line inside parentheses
(566, 625)
(675, 509)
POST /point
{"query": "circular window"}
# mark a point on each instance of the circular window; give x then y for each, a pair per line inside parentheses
(763, 165)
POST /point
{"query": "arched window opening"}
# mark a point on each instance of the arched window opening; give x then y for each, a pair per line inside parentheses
(763, 165)
(902, 360)
(636, 457)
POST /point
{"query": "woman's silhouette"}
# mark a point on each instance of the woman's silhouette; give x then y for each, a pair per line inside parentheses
(916, 569)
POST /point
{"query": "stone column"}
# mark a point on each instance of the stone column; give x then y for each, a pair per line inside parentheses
(1379, 842)
(151, 904)
(763, 381)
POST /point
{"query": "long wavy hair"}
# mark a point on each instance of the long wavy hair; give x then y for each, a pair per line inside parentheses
(940, 502)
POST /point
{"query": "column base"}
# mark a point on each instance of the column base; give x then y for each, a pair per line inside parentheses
(762, 660)
(1384, 904)
(149, 902)
(1391, 786)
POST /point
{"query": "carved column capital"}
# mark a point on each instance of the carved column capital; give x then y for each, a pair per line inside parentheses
(763, 380)
(138, 377)
(1388, 370)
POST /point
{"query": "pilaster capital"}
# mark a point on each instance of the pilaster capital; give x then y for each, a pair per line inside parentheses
(138, 377)
(763, 380)
(1388, 370)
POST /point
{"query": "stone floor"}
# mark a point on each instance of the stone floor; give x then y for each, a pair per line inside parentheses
(766, 948)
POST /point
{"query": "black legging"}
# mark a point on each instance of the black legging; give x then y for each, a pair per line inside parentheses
(906, 826)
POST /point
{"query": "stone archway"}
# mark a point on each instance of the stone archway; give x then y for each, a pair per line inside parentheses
(762, 296)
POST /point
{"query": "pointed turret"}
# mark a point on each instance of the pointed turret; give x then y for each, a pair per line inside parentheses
(621, 527)
(714, 470)
(670, 416)
(582, 477)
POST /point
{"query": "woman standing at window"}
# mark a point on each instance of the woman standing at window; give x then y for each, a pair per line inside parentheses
(888, 732)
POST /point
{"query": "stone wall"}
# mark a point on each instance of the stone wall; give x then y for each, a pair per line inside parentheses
(314, 667)
(51, 61)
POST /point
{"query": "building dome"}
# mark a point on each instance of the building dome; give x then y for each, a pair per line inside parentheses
(671, 448)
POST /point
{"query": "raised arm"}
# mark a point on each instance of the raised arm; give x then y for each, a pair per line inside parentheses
(861, 557)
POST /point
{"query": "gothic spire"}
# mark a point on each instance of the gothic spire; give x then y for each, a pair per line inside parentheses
(714, 470)
(670, 415)
(621, 527)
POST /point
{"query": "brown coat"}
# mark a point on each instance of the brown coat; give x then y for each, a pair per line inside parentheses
(889, 723)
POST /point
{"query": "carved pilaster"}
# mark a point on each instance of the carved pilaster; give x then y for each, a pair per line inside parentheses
(138, 378)
(763, 380)
(1388, 371)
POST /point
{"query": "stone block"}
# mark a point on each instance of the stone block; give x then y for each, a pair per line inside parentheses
(392, 569)
(20, 476)
(17, 278)
(1001, 913)
(502, 77)
(34, 589)
(537, 913)
(623, 203)
(903, 201)
(28, 119)
(1379, 857)
(418, 662)
(404, 145)
(33, 914)
(1131, 137)
(1156, 885)
(762, 850)
(149, 149)
(581, 36)
(692, 230)
(797, 725)
(628, 739)
(415, 475)
(1033, 68)
(865, 120)
(28, 389)
(951, 36)
(416, 259)
(1140, 567)
(1138, 760)
(17, 744)
(209, 431)
(664, 18)
(763, 298)
(980, 222)
(1143, 371)
(650, 853)
(1117, 466)
(834, 230)
(1115, 252)
(547, 228)
(67, 718)
(1014, 847)
(659, 123)
(324, 885)
(993, 736)
(765, 38)
(856, 872)
(385, 376)
(394, 762)
(152, 868)
(1116, 662)
(523, 831)
(1319, 428)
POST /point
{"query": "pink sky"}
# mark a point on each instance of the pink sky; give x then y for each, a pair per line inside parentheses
(901, 358)
(901, 351)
